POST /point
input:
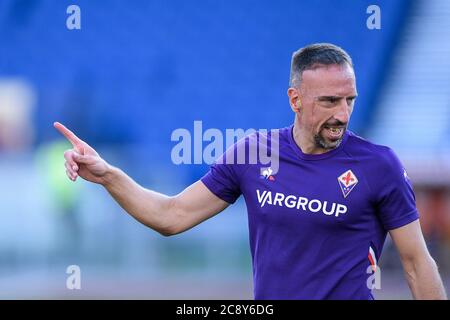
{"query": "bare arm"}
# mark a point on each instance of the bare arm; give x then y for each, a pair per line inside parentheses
(165, 214)
(420, 268)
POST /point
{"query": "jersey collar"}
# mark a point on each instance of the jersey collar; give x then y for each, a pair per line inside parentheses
(320, 156)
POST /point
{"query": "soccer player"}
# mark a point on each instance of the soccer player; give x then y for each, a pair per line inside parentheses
(319, 221)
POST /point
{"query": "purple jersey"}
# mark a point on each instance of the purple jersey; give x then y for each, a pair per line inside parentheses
(319, 223)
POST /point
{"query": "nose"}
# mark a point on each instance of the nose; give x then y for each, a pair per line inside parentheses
(343, 112)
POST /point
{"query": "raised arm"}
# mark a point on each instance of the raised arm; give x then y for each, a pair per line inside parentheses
(167, 215)
(420, 268)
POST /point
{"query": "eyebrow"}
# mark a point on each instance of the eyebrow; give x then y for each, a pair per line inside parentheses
(332, 98)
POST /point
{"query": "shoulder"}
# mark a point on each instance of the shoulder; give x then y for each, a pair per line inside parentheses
(377, 155)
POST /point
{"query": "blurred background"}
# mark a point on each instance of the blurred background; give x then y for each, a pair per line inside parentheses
(135, 72)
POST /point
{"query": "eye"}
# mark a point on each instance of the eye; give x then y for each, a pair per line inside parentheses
(329, 101)
(351, 101)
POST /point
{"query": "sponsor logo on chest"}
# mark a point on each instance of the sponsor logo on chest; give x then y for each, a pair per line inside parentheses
(279, 199)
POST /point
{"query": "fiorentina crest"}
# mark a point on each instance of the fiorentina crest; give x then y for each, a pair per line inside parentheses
(347, 181)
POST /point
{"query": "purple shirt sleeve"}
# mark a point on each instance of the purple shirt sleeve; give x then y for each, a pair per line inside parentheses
(396, 203)
(222, 179)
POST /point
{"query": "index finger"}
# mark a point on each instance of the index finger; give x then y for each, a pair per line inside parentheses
(74, 140)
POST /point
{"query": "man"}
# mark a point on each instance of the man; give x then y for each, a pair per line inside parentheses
(318, 224)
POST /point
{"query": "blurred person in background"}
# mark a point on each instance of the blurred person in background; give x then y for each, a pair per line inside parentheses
(311, 237)
(17, 99)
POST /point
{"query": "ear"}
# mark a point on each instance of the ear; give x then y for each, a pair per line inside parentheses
(294, 100)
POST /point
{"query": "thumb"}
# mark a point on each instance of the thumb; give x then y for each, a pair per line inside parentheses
(77, 156)
(80, 158)
(80, 150)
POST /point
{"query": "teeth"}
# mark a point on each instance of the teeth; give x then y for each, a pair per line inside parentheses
(335, 130)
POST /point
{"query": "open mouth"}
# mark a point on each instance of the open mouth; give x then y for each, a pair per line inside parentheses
(333, 133)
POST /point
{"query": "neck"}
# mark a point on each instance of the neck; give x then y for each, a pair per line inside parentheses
(305, 140)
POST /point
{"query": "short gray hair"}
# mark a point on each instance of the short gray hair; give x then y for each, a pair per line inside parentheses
(314, 55)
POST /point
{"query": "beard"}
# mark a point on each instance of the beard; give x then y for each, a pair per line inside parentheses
(325, 143)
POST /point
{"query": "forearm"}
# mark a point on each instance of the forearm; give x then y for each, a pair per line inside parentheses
(148, 207)
(424, 280)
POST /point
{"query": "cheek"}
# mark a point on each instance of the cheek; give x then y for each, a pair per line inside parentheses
(308, 118)
(319, 117)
